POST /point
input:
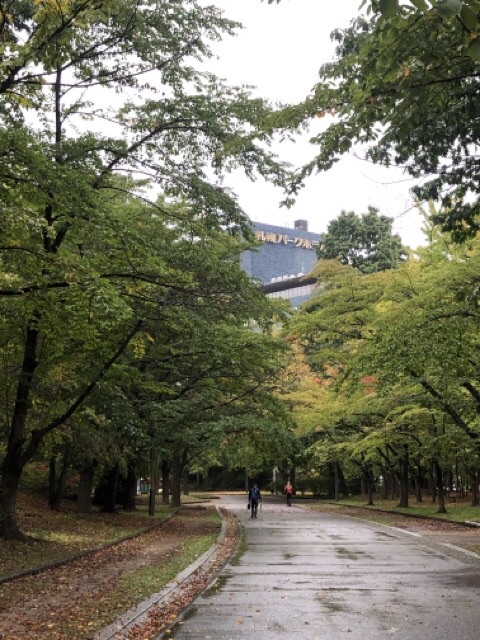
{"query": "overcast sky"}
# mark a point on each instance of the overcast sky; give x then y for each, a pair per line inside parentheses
(280, 51)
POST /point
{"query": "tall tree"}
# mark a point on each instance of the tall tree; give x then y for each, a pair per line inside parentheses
(93, 96)
(404, 85)
(365, 242)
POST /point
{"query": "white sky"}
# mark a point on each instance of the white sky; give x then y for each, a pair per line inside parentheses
(280, 51)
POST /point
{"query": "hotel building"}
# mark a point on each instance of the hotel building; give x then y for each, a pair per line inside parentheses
(283, 261)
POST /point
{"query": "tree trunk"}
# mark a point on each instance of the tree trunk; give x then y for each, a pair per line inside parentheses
(368, 480)
(403, 478)
(13, 462)
(418, 482)
(153, 482)
(342, 482)
(176, 480)
(433, 482)
(52, 479)
(185, 485)
(363, 486)
(394, 480)
(111, 490)
(85, 486)
(165, 482)
(336, 476)
(185, 473)
(62, 480)
(440, 490)
(370, 490)
(474, 488)
(8, 497)
(130, 494)
(384, 484)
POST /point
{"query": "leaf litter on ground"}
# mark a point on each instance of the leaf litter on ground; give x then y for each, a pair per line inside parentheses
(73, 601)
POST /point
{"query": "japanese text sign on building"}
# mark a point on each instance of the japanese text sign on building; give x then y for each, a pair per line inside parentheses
(278, 238)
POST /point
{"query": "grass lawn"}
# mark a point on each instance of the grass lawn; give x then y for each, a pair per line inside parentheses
(74, 600)
(460, 511)
(58, 535)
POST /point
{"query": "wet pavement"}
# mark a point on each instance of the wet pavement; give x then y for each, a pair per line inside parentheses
(318, 576)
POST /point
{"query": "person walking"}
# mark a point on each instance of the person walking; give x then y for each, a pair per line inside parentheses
(254, 497)
(289, 492)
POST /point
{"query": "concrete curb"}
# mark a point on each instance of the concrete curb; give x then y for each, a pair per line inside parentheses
(138, 614)
(164, 633)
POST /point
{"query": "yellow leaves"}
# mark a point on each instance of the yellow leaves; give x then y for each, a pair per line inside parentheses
(6, 17)
(23, 101)
(70, 275)
(384, 306)
(138, 345)
(405, 72)
(56, 5)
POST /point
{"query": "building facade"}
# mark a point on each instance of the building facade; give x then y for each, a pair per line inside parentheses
(283, 260)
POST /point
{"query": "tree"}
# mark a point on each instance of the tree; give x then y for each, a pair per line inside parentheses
(396, 353)
(88, 251)
(365, 242)
(463, 11)
(404, 87)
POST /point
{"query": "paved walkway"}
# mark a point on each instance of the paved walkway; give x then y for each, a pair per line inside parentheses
(317, 576)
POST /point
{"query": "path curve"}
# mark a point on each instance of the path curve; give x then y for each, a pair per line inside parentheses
(318, 576)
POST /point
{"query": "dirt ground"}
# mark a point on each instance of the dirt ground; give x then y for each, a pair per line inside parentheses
(60, 604)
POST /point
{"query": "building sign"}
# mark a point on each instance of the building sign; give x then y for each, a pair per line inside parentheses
(278, 238)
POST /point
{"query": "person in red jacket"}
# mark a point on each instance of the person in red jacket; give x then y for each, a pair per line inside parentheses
(289, 492)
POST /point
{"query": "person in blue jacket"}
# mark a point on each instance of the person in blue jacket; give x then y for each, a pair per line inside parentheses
(254, 497)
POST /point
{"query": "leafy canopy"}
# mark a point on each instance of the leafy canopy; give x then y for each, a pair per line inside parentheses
(365, 242)
(404, 86)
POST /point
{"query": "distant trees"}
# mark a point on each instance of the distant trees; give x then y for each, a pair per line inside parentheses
(365, 242)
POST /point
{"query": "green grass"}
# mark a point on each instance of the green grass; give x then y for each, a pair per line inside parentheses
(141, 583)
(192, 532)
(456, 511)
(147, 580)
(199, 495)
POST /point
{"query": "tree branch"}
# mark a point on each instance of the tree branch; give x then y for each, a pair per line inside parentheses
(447, 407)
(39, 434)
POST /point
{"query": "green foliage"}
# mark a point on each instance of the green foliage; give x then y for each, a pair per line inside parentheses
(365, 242)
(403, 85)
(103, 108)
(395, 358)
